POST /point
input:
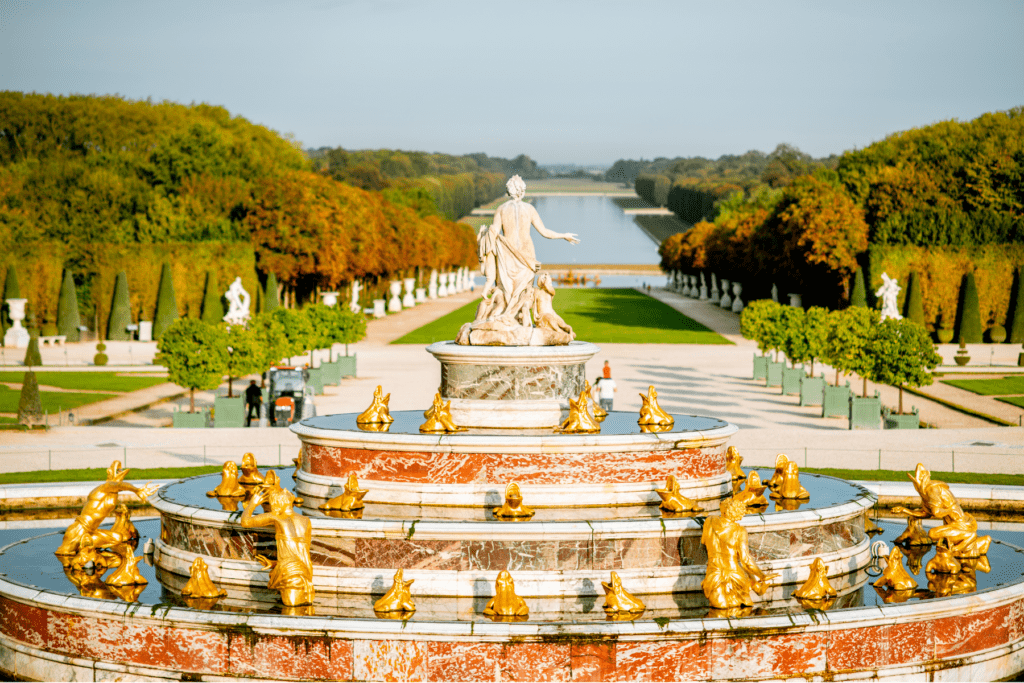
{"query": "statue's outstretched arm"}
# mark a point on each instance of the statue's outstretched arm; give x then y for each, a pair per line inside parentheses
(550, 234)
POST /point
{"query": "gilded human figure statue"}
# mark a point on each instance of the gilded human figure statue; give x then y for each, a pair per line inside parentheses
(123, 527)
(350, 499)
(250, 473)
(651, 413)
(377, 413)
(292, 573)
(958, 527)
(731, 571)
(98, 505)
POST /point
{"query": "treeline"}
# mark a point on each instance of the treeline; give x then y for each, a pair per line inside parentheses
(940, 201)
(457, 184)
(90, 184)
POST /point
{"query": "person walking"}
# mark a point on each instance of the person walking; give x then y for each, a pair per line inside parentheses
(253, 401)
(606, 388)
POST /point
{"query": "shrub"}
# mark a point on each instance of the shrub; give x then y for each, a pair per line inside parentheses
(120, 310)
(67, 309)
(213, 309)
(969, 315)
(30, 407)
(100, 358)
(848, 342)
(1016, 322)
(914, 308)
(195, 355)
(166, 306)
(32, 355)
(902, 355)
(271, 300)
(761, 322)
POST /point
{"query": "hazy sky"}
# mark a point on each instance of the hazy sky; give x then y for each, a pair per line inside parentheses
(575, 82)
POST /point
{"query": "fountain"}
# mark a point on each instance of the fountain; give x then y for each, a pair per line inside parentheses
(509, 533)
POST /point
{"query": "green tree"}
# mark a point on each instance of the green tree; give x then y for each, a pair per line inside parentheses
(336, 325)
(271, 301)
(120, 310)
(969, 314)
(761, 321)
(32, 355)
(914, 305)
(166, 305)
(815, 331)
(195, 355)
(271, 341)
(11, 291)
(213, 310)
(244, 357)
(903, 355)
(299, 332)
(794, 338)
(30, 407)
(1016, 326)
(848, 342)
(67, 309)
(859, 296)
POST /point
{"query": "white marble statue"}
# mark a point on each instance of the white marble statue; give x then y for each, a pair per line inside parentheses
(737, 302)
(16, 335)
(354, 304)
(715, 294)
(238, 303)
(509, 263)
(775, 293)
(703, 288)
(432, 287)
(888, 293)
(409, 300)
(395, 302)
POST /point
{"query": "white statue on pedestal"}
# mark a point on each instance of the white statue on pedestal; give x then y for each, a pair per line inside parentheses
(888, 293)
(509, 262)
(775, 293)
(432, 287)
(703, 288)
(354, 305)
(714, 298)
(16, 335)
(395, 303)
(238, 303)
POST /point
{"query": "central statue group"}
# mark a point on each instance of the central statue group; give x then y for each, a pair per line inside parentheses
(515, 311)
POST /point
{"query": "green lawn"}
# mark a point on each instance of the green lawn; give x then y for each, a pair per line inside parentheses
(91, 381)
(1013, 400)
(52, 401)
(601, 316)
(901, 475)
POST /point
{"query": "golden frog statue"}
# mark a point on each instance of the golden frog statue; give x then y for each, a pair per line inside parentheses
(753, 495)
(580, 420)
(914, 534)
(128, 573)
(790, 487)
(672, 500)
(618, 600)
(731, 571)
(292, 573)
(440, 420)
(350, 499)
(250, 472)
(780, 463)
(398, 598)
(505, 602)
(378, 412)
(944, 561)
(200, 585)
(513, 507)
(229, 487)
(894, 576)
(816, 587)
(100, 502)
(733, 460)
(959, 528)
(651, 413)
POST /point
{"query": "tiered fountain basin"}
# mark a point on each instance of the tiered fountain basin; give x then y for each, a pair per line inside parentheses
(49, 632)
(551, 556)
(622, 465)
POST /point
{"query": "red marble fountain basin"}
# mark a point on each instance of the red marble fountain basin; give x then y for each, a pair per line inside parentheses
(51, 636)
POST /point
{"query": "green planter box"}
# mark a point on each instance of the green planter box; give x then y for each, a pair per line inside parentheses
(866, 413)
(791, 380)
(773, 377)
(835, 401)
(330, 373)
(347, 365)
(909, 421)
(228, 412)
(315, 380)
(183, 420)
(760, 368)
(811, 390)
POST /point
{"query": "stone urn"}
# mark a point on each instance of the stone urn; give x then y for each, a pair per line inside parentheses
(16, 336)
(432, 286)
(421, 295)
(443, 289)
(395, 302)
(378, 308)
(330, 298)
(409, 300)
(726, 300)
(737, 302)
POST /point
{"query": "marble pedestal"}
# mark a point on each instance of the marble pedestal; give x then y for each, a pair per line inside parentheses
(520, 387)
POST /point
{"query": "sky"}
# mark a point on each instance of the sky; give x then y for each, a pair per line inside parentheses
(564, 82)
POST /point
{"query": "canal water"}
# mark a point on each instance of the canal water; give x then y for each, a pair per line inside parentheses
(607, 235)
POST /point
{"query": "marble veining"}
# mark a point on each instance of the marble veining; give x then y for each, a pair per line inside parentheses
(511, 383)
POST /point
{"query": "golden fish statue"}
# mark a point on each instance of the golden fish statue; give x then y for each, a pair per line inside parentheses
(914, 534)
(618, 600)
(505, 602)
(440, 420)
(123, 527)
(733, 460)
(672, 500)
(599, 413)
(780, 463)
(580, 421)
(200, 585)
(350, 499)
(100, 502)
(753, 495)
(398, 598)
(228, 486)
(944, 561)
(250, 473)
(816, 587)
(651, 413)
(790, 486)
(513, 507)
(895, 576)
(959, 528)
(128, 573)
(731, 572)
(378, 412)
(292, 573)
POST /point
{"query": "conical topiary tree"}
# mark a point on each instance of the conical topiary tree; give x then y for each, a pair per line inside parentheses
(1015, 326)
(858, 297)
(213, 310)
(120, 310)
(270, 300)
(11, 291)
(166, 305)
(32, 355)
(30, 405)
(67, 309)
(969, 315)
(913, 308)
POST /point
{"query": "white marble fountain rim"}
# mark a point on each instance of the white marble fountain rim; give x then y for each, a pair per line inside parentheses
(573, 353)
(523, 443)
